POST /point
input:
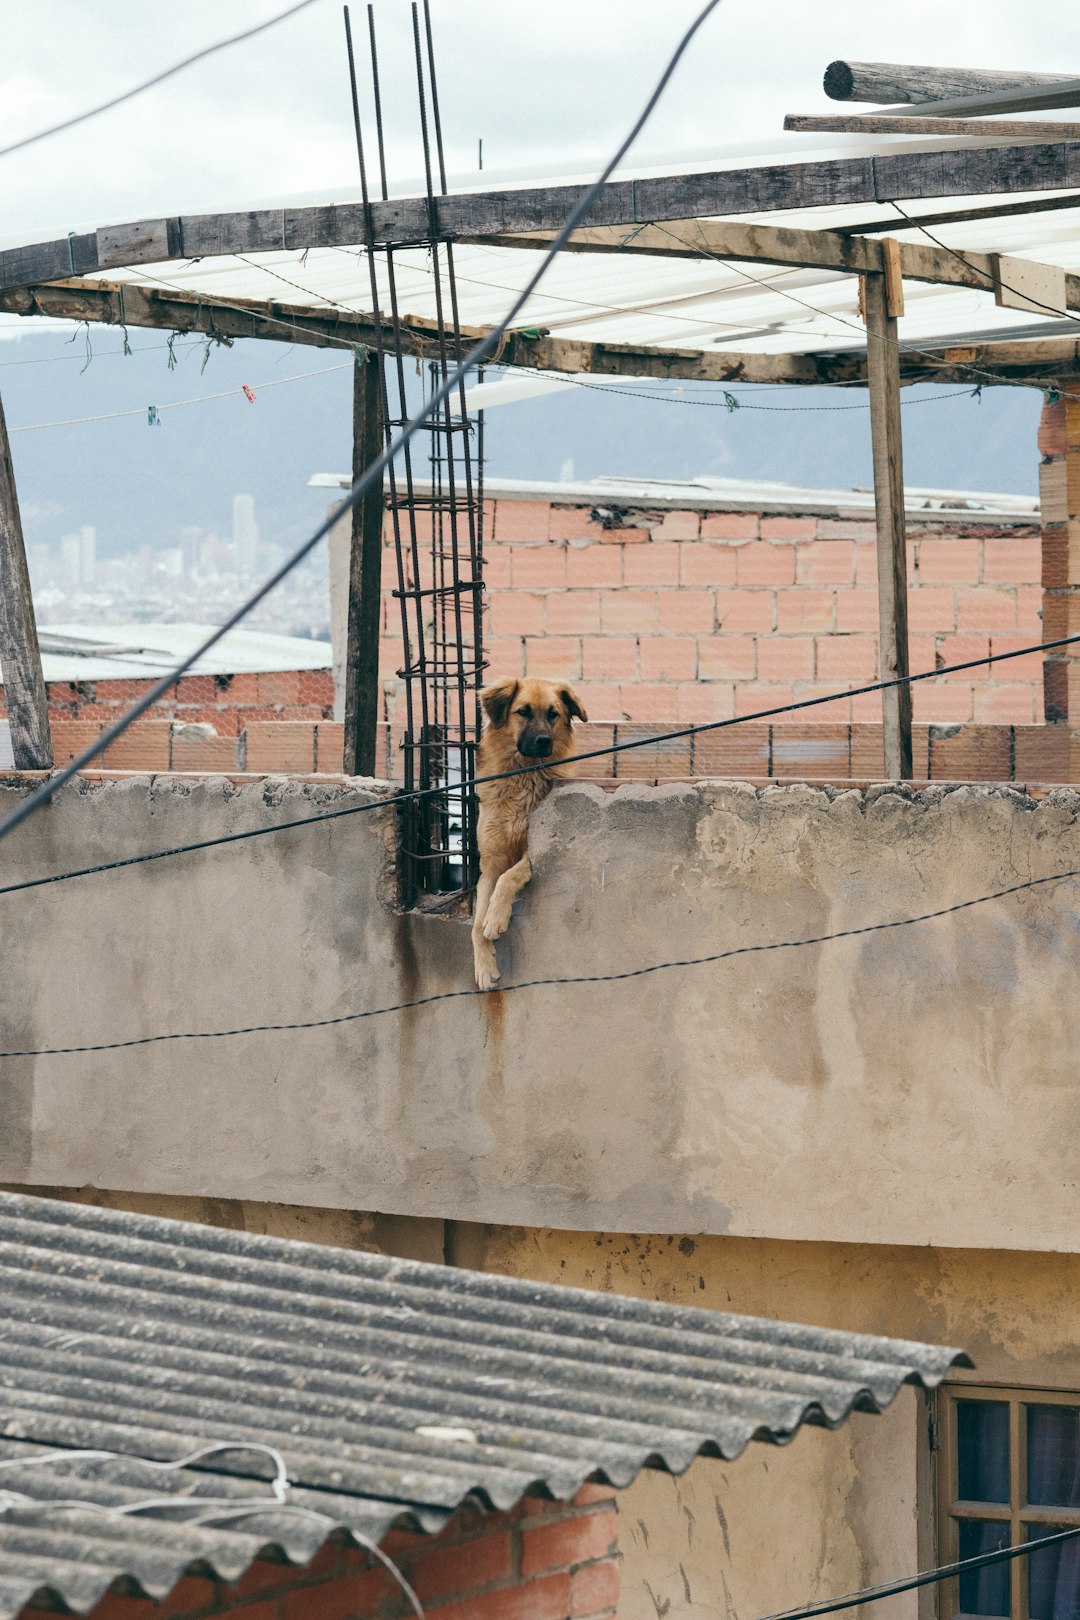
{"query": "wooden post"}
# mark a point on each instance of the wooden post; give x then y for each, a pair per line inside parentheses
(883, 376)
(20, 658)
(365, 578)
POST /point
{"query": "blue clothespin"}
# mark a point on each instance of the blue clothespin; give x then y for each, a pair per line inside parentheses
(152, 417)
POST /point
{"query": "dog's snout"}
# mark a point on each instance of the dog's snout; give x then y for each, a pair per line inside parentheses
(542, 746)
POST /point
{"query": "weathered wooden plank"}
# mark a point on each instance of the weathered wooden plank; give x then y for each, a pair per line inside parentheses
(1038, 99)
(20, 658)
(365, 578)
(891, 82)
(954, 216)
(908, 124)
(761, 189)
(883, 370)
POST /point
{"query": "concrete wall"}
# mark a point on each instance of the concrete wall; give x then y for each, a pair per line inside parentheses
(913, 1086)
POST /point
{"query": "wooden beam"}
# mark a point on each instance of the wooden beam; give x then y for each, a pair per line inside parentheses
(772, 244)
(365, 578)
(20, 656)
(884, 383)
(892, 82)
(956, 216)
(1067, 94)
(908, 124)
(754, 190)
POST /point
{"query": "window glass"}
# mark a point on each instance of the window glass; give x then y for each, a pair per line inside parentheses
(1053, 1577)
(985, 1591)
(982, 1444)
(1053, 1457)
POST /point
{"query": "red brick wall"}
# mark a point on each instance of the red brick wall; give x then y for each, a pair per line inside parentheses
(683, 616)
(543, 1561)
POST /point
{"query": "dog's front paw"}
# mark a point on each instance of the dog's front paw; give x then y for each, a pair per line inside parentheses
(497, 918)
(486, 969)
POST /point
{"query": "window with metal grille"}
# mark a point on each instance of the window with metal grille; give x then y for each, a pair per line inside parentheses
(1009, 1464)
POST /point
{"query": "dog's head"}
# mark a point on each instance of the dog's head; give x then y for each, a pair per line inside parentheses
(537, 715)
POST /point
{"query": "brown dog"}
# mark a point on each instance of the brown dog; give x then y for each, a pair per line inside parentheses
(526, 721)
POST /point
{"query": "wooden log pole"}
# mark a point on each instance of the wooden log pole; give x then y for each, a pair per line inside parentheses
(883, 377)
(365, 578)
(20, 656)
(890, 82)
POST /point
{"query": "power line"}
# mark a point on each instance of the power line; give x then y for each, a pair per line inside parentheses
(945, 1572)
(158, 78)
(376, 468)
(545, 983)
(479, 781)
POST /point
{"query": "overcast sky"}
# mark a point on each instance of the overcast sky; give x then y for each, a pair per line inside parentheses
(550, 86)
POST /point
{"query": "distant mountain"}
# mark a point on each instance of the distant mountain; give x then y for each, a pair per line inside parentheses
(140, 484)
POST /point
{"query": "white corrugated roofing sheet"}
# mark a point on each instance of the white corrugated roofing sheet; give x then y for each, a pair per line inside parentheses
(117, 652)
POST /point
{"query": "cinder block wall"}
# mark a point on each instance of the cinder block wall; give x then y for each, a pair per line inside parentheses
(543, 1561)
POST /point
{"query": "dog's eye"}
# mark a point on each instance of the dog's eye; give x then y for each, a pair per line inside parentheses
(525, 712)
(553, 714)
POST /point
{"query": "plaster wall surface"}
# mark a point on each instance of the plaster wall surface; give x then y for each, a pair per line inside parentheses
(914, 1085)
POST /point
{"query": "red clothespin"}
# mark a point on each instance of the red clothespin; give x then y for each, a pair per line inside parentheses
(249, 393)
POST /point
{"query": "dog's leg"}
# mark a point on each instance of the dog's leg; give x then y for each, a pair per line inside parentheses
(485, 965)
(506, 891)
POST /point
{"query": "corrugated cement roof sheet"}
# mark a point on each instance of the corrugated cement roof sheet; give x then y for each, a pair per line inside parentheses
(392, 1390)
(118, 652)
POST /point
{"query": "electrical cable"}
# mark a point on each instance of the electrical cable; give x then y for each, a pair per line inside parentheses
(413, 794)
(869, 1594)
(158, 78)
(375, 470)
(543, 983)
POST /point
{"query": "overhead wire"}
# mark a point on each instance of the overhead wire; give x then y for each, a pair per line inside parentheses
(155, 79)
(606, 751)
(376, 468)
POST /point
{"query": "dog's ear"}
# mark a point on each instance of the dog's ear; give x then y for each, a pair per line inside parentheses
(573, 703)
(496, 700)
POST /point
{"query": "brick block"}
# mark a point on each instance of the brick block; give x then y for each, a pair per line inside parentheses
(278, 686)
(281, 745)
(632, 535)
(350, 1597)
(330, 748)
(686, 612)
(678, 526)
(633, 612)
(496, 567)
(858, 610)
(949, 561)
(825, 562)
(785, 658)
(669, 759)
(592, 567)
(986, 608)
(1053, 492)
(594, 1589)
(237, 689)
(1007, 703)
(648, 701)
(604, 703)
(861, 530)
(668, 658)
(609, 658)
(590, 735)
(1051, 435)
(144, 746)
(800, 609)
(1012, 561)
(943, 702)
(817, 749)
(450, 1571)
(207, 753)
(200, 689)
(1029, 605)
(699, 702)
(730, 525)
(739, 751)
(972, 754)
(1041, 753)
(521, 520)
(553, 657)
(545, 1599)
(70, 737)
(574, 523)
(726, 658)
(572, 613)
(656, 564)
(540, 568)
(867, 762)
(708, 563)
(763, 562)
(516, 613)
(742, 611)
(960, 650)
(505, 656)
(846, 658)
(753, 698)
(933, 609)
(788, 528)
(1027, 668)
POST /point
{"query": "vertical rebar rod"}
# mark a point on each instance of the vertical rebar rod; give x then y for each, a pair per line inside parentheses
(378, 101)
